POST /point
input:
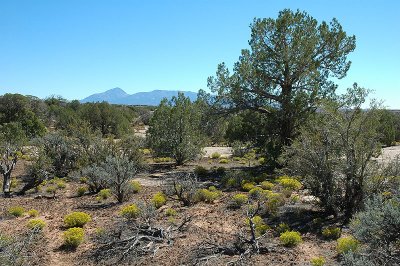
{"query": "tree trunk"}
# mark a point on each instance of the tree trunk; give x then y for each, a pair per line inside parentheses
(7, 184)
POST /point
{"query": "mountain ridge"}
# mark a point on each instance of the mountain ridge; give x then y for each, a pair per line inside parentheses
(119, 96)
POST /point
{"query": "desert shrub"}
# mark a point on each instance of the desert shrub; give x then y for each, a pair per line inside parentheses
(136, 186)
(282, 228)
(184, 187)
(267, 185)
(289, 183)
(83, 180)
(262, 160)
(259, 225)
(256, 193)
(377, 227)
(104, 193)
(236, 159)
(146, 151)
(294, 199)
(16, 211)
(130, 211)
(215, 155)
(331, 232)
(239, 200)
(274, 201)
(247, 186)
(81, 191)
(76, 219)
(33, 213)
(206, 195)
(347, 244)
(224, 161)
(163, 159)
(73, 237)
(61, 184)
(200, 170)
(36, 224)
(159, 199)
(171, 212)
(290, 238)
(318, 261)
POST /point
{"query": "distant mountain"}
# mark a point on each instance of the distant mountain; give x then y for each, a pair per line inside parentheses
(118, 96)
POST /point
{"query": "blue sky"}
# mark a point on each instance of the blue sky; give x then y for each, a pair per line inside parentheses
(76, 48)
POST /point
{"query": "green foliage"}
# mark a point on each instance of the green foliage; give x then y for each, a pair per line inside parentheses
(331, 232)
(239, 200)
(323, 157)
(224, 161)
(377, 227)
(104, 193)
(16, 211)
(247, 186)
(259, 225)
(171, 212)
(36, 224)
(318, 261)
(81, 191)
(282, 228)
(200, 170)
(267, 185)
(207, 195)
(257, 193)
(33, 213)
(272, 79)
(290, 238)
(215, 155)
(175, 129)
(76, 219)
(73, 237)
(289, 183)
(274, 201)
(347, 244)
(130, 211)
(61, 184)
(136, 186)
(163, 159)
(159, 200)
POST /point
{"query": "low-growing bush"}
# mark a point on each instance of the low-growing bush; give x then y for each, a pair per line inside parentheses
(104, 193)
(159, 199)
(274, 201)
(130, 211)
(76, 219)
(200, 170)
(347, 244)
(73, 237)
(290, 238)
(331, 232)
(282, 228)
(294, 199)
(317, 261)
(171, 212)
(256, 193)
(36, 224)
(289, 183)
(81, 191)
(16, 211)
(259, 225)
(224, 161)
(33, 213)
(83, 180)
(239, 200)
(262, 160)
(61, 184)
(206, 195)
(247, 186)
(162, 159)
(136, 186)
(266, 185)
(215, 155)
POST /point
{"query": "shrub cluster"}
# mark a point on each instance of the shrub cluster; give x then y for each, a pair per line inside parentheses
(331, 232)
(259, 225)
(317, 261)
(290, 238)
(130, 211)
(16, 211)
(73, 237)
(104, 193)
(33, 213)
(207, 195)
(215, 155)
(347, 244)
(76, 219)
(136, 186)
(36, 224)
(266, 185)
(289, 183)
(159, 199)
(247, 186)
(239, 200)
(81, 191)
